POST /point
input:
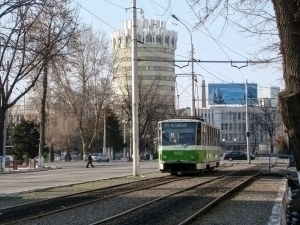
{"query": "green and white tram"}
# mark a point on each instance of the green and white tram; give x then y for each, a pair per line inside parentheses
(187, 145)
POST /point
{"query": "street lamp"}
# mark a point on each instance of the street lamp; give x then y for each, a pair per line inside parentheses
(192, 59)
(124, 150)
(235, 147)
(104, 133)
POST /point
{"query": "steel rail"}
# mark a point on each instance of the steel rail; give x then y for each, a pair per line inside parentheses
(16, 207)
(166, 196)
(91, 201)
(213, 203)
(100, 199)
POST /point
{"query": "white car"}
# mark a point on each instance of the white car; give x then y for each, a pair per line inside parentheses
(103, 158)
(100, 157)
(95, 156)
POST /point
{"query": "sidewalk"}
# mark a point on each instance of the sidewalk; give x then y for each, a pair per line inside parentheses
(28, 169)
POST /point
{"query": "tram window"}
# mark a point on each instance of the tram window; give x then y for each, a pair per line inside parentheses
(199, 134)
(204, 142)
(208, 136)
(187, 138)
(212, 136)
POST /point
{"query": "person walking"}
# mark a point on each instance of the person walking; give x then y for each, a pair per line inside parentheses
(89, 161)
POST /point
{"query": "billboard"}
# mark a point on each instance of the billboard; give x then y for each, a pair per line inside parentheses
(231, 94)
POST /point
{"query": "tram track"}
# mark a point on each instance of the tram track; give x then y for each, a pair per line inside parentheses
(39, 209)
(45, 207)
(165, 210)
(42, 208)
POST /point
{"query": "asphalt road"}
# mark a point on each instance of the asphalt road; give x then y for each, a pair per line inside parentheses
(76, 172)
(70, 173)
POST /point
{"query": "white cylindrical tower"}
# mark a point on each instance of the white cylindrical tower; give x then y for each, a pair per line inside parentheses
(155, 44)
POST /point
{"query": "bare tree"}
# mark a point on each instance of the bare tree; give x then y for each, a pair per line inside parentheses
(22, 52)
(254, 133)
(279, 22)
(83, 84)
(154, 104)
(265, 119)
(57, 20)
(61, 130)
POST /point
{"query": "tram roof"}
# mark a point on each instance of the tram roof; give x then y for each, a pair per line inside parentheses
(188, 119)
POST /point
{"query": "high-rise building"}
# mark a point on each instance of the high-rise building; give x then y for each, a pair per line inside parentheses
(155, 44)
(268, 97)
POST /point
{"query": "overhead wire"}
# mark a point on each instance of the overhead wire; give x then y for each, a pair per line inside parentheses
(209, 35)
(152, 46)
(114, 4)
(112, 26)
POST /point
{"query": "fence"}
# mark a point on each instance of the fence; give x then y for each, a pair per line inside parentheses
(16, 164)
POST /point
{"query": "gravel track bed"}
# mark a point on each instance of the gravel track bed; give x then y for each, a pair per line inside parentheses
(252, 205)
(27, 197)
(177, 208)
(103, 209)
(50, 206)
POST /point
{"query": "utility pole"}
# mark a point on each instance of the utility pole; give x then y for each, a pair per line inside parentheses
(135, 100)
(104, 133)
(5, 121)
(192, 64)
(247, 123)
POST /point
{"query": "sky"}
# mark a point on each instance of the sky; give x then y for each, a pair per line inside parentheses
(108, 15)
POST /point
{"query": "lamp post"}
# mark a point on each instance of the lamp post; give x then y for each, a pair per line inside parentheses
(235, 147)
(124, 150)
(192, 64)
(104, 133)
(247, 123)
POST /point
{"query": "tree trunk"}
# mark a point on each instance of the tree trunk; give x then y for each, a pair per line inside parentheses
(289, 99)
(290, 106)
(43, 116)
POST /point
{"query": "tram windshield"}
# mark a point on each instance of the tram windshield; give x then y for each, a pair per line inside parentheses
(178, 133)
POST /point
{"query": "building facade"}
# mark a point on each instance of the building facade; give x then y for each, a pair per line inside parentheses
(155, 44)
(232, 124)
(268, 97)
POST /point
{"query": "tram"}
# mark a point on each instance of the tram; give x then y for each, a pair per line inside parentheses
(187, 145)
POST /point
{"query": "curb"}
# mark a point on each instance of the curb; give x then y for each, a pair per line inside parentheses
(278, 216)
(31, 170)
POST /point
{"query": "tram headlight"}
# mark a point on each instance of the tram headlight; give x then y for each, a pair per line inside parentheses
(164, 157)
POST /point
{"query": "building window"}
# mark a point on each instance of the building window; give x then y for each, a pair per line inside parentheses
(234, 126)
(148, 38)
(167, 40)
(158, 39)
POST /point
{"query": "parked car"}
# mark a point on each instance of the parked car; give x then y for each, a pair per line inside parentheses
(100, 157)
(94, 156)
(103, 158)
(9, 158)
(226, 153)
(237, 156)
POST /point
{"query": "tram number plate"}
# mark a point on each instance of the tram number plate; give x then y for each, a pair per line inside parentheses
(178, 153)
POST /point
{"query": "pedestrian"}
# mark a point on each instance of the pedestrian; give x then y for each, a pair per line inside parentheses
(89, 161)
(256, 155)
